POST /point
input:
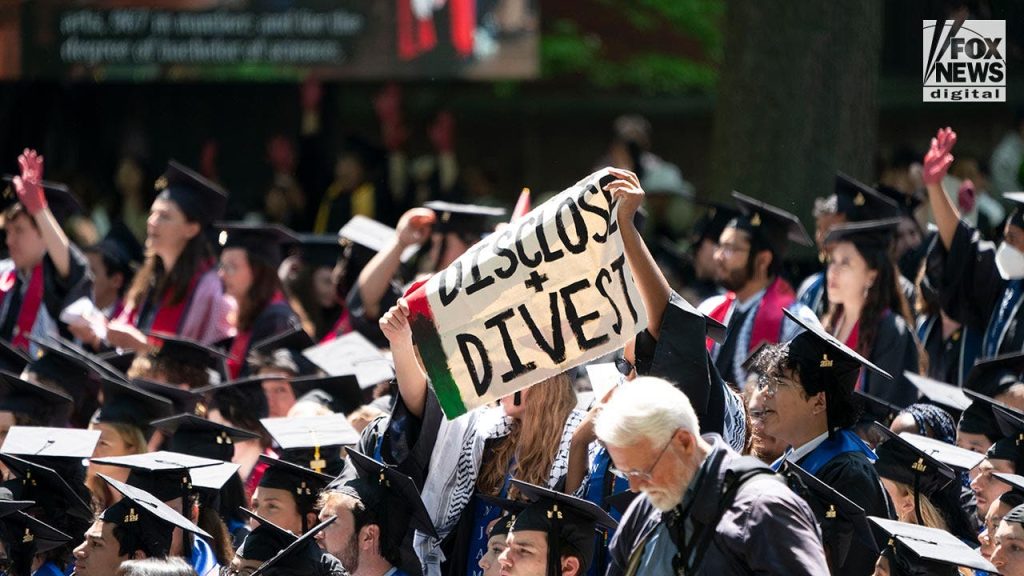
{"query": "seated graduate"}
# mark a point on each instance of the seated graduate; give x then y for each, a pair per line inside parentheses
(1008, 556)
(48, 272)
(138, 526)
(27, 542)
(270, 550)
(704, 509)
(378, 511)
(178, 361)
(1005, 456)
(810, 382)
(287, 495)
(924, 551)
(998, 510)
(24, 403)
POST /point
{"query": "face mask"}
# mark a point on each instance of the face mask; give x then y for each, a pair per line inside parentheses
(1010, 262)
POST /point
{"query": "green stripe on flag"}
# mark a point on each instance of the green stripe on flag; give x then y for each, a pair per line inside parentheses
(428, 342)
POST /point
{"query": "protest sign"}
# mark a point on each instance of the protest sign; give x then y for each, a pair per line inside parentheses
(546, 293)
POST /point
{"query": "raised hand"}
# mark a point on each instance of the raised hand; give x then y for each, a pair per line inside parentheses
(939, 157)
(414, 226)
(626, 188)
(395, 324)
(29, 185)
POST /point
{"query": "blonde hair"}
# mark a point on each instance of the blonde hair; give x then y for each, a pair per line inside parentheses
(930, 515)
(534, 439)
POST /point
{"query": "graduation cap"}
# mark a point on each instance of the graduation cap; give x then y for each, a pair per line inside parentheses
(48, 488)
(211, 479)
(395, 498)
(566, 519)
(162, 474)
(8, 505)
(978, 417)
(320, 250)
(365, 234)
(1011, 424)
(1015, 481)
(907, 203)
(265, 540)
(871, 234)
(839, 518)
(165, 346)
(146, 518)
(59, 365)
(464, 218)
(129, 404)
(302, 554)
(991, 376)
(342, 394)
(27, 537)
(774, 227)
(712, 222)
(900, 461)
(944, 395)
(23, 397)
(925, 551)
(289, 343)
(181, 399)
(313, 442)
(121, 360)
(200, 199)
(826, 364)
(12, 359)
(860, 202)
(61, 201)
(261, 242)
(876, 409)
(190, 434)
(61, 449)
(953, 456)
(243, 396)
(303, 483)
(352, 353)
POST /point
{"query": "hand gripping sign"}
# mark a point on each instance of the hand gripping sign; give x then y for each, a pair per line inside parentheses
(546, 293)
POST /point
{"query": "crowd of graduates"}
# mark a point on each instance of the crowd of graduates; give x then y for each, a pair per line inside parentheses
(182, 405)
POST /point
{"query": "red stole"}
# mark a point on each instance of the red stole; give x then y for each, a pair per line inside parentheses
(768, 317)
(240, 345)
(29, 304)
(168, 316)
(415, 36)
(341, 327)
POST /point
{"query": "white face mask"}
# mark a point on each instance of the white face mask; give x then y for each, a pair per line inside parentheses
(1010, 262)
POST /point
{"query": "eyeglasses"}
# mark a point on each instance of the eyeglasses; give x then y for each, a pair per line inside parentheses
(623, 366)
(769, 385)
(730, 249)
(637, 474)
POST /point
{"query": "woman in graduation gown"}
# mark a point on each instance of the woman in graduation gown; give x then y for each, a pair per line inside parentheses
(177, 290)
(526, 437)
(249, 259)
(867, 310)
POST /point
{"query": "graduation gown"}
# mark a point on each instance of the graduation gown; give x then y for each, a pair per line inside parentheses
(47, 295)
(950, 358)
(766, 529)
(972, 292)
(203, 315)
(363, 323)
(894, 351)
(276, 318)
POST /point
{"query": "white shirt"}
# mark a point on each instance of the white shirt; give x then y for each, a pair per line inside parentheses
(799, 453)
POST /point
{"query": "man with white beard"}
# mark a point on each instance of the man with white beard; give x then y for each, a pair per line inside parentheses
(705, 509)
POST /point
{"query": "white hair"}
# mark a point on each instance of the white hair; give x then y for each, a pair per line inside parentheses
(647, 407)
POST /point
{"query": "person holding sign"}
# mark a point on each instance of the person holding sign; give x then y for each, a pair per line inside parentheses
(749, 259)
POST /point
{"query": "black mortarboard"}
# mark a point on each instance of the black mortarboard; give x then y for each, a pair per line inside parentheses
(59, 449)
(265, 540)
(48, 488)
(991, 376)
(28, 537)
(319, 250)
(871, 234)
(184, 350)
(352, 353)
(146, 518)
(290, 342)
(12, 359)
(900, 461)
(213, 478)
(244, 396)
(366, 234)
(120, 248)
(304, 484)
(947, 396)
(128, 404)
(261, 242)
(200, 199)
(924, 551)
(62, 202)
(464, 218)
(840, 519)
(1011, 424)
(710, 224)
(121, 360)
(163, 474)
(955, 457)
(769, 226)
(570, 522)
(77, 360)
(313, 442)
(860, 202)
(907, 203)
(1015, 481)
(978, 417)
(182, 400)
(8, 505)
(343, 394)
(58, 365)
(302, 556)
(826, 364)
(394, 495)
(1015, 516)
(23, 397)
(190, 434)
(876, 409)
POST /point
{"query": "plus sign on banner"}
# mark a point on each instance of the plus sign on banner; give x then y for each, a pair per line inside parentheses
(546, 293)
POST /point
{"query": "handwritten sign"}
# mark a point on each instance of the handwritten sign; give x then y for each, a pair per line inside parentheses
(548, 292)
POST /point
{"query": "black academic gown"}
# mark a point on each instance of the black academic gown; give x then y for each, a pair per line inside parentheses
(58, 292)
(973, 293)
(276, 318)
(894, 351)
(766, 529)
(363, 322)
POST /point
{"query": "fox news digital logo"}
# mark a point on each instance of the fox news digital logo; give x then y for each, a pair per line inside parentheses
(964, 61)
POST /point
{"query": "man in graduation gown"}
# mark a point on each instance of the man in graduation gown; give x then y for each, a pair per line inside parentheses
(749, 259)
(809, 405)
(47, 272)
(981, 286)
(705, 509)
